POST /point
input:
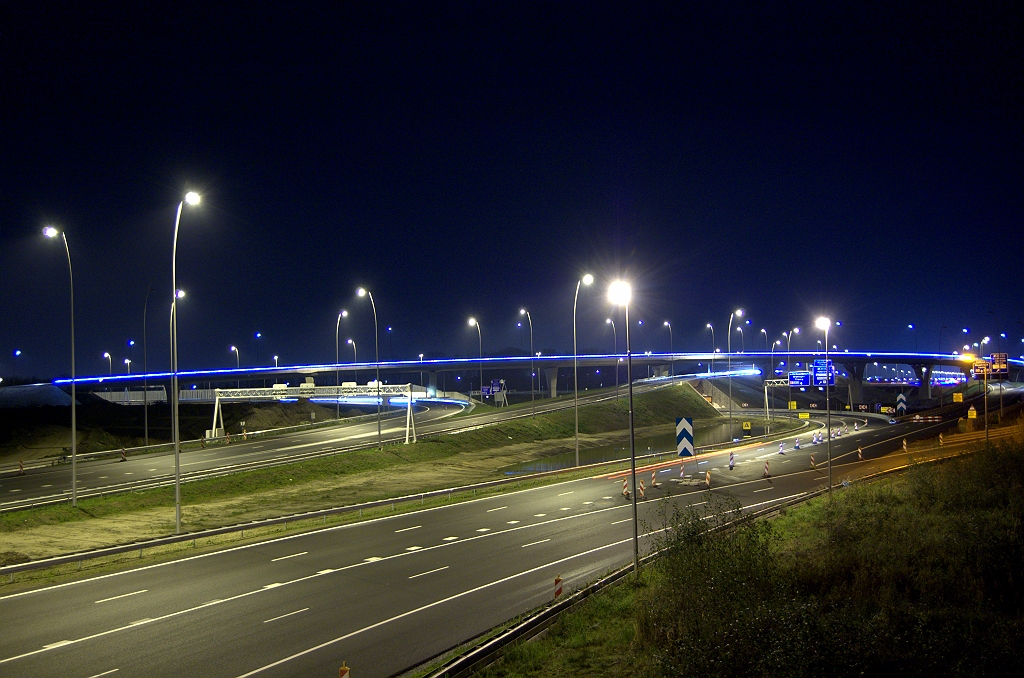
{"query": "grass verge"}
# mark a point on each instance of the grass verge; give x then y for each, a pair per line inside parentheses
(917, 574)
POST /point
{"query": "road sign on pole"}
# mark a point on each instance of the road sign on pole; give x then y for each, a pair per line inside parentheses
(901, 403)
(999, 366)
(958, 397)
(972, 413)
(822, 371)
(792, 404)
(684, 437)
(799, 378)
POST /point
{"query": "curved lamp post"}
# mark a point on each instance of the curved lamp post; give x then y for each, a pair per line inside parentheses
(51, 232)
(620, 293)
(238, 365)
(789, 358)
(473, 323)
(737, 314)
(615, 351)
(191, 198)
(533, 373)
(824, 323)
(671, 350)
(355, 357)
(337, 361)
(363, 292)
(585, 280)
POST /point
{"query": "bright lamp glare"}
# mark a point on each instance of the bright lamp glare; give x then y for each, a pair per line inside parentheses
(822, 322)
(50, 232)
(234, 349)
(588, 279)
(739, 313)
(106, 355)
(180, 294)
(192, 198)
(348, 341)
(620, 293)
(361, 292)
(472, 322)
(522, 311)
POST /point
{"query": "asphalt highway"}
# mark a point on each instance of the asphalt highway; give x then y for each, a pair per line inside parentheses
(387, 594)
(50, 484)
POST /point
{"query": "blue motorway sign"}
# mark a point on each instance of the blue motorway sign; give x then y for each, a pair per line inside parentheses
(799, 378)
(822, 371)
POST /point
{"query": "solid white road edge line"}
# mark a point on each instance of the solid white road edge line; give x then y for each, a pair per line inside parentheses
(267, 621)
(294, 555)
(123, 595)
(428, 572)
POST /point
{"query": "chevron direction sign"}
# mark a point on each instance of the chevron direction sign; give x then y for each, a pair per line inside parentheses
(901, 403)
(684, 437)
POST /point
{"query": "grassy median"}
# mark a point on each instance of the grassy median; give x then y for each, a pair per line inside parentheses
(919, 574)
(343, 479)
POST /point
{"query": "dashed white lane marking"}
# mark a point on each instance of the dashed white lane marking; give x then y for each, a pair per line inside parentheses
(105, 673)
(150, 470)
(605, 497)
(565, 493)
(104, 477)
(267, 621)
(534, 543)
(587, 503)
(765, 489)
(123, 595)
(496, 509)
(484, 529)
(15, 490)
(413, 548)
(512, 522)
(406, 529)
(449, 539)
(539, 515)
(429, 572)
(294, 555)
(372, 559)
(128, 473)
(565, 508)
(52, 486)
(624, 520)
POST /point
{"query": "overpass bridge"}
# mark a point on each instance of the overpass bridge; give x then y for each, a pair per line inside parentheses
(767, 363)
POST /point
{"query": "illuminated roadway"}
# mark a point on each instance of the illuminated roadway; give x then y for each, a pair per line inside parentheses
(385, 595)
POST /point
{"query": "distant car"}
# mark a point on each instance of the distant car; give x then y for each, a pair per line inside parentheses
(892, 421)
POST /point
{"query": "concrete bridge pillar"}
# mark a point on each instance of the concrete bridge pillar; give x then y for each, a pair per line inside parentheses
(924, 373)
(856, 372)
(552, 375)
(432, 381)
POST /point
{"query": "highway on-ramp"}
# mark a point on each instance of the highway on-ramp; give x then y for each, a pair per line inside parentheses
(387, 594)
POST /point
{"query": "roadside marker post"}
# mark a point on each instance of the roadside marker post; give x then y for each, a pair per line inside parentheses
(707, 479)
(344, 671)
(860, 454)
(782, 446)
(684, 437)
(558, 586)
(940, 440)
(654, 478)
(21, 468)
(766, 474)
(796, 444)
(640, 490)
(732, 461)
(123, 455)
(625, 488)
(904, 444)
(812, 460)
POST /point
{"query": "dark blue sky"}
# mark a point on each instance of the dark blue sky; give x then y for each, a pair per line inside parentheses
(470, 158)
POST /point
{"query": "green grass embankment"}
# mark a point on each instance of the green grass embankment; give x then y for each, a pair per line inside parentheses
(365, 475)
(914, 575)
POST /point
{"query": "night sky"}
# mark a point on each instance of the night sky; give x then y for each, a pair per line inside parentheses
(471, 158)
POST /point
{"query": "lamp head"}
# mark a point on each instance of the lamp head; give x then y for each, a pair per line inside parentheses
(259, 334)
(822, 323)
(739, 313)
(522, 311)
(349, 341)
(50, 232)
(192, 198)
(180, 294)
(607, 321)
(588, 279)
(667, 324)
(234, 349)
(361, 292)
(708, 326)
(796, 330)
(106, 355)
(472, 322)
(344, 313)
(620, 293)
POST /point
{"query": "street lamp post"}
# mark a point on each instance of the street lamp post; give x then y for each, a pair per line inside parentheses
(337, 361)
(110, 367)
(128, 364)
(585, 280)
(355, 359)
(789, 359)
(619, 294)
(671, 350)
(743, 343)
(778, 342)
(145, 368)
(238, 365)
(51, 232)
(712, 367)
(480, 338)
(765, 333)
(824, 324)
(615, 351)
(738, 314)
(191, 198)
(376, 352)
(533, 372)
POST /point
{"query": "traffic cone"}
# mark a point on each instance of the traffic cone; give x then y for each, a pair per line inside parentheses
(732, 461)
(812, 461)
(860, 454)
(640, 490)
(766, 474)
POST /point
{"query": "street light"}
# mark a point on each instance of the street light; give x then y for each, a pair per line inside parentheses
(355, 360)
(743, 342)
(712, 328)
(587, 279)
(619, 294)
(337, 361)
(51, 232)
(824, 323)
(912, 328)
(363, 292)
(191, 198)
(765, 333)
(789, 358)
(533, 404)
(110, 366)
(671, 350)
(238, 365)
(480, 339)
(128, 362)
(615, 351)
(738, 314)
